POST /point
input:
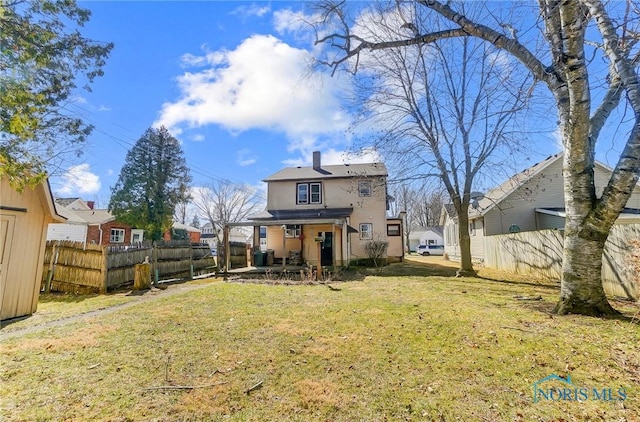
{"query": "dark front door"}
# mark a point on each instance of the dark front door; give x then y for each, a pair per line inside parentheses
(326, 255)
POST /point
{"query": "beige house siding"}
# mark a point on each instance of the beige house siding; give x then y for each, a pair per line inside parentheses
(336, 193)
(23, 229)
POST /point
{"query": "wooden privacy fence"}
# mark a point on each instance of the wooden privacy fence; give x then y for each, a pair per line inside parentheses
(539, 253)
(76, 267)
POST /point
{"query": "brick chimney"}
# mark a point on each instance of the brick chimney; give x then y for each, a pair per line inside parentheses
(316, 160)
(91, 204)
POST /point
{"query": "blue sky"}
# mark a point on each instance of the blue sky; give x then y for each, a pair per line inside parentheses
(230, 79)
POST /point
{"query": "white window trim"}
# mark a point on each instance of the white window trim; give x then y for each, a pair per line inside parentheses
(319, 185)
(361, 184)
(293, 230)
(366, 234)
(114, 238)
(298, 200)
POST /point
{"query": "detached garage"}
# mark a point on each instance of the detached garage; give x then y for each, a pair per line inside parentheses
(23, 229)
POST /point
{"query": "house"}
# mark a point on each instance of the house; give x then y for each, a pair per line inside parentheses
(425, 236)
(86, 224)
(194, 233)
(23, 228)
(326, 214)
(530, 200)
(236, 234)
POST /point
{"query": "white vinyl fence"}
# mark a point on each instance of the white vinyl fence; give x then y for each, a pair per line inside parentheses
(539, 253)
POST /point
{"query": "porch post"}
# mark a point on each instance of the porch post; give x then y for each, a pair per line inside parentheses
(333, 244)
(227, 248)
(284, 245)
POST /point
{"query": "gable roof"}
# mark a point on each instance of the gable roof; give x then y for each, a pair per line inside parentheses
(329, 172)
(496, 195)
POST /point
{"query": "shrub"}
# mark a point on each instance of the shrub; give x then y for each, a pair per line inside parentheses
(376, 251)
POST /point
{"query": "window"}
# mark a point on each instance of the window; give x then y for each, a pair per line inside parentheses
(316, 193)
(364, 188)
(293, 230)
(309, 193)
(117, 236)
(303, 193)
(472, 228)
(431, 242)
(366, 231)
(263, 232)
(393, 229)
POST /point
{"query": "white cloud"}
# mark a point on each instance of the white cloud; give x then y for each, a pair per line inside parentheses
(246, 157)
(79, 180)
(252, 10)
(103, 108)
(198, 137)
(262, 84)
(287, 21)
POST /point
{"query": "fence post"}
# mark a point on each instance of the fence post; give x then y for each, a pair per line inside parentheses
(52, 266)
(154, 253)
(105, 269)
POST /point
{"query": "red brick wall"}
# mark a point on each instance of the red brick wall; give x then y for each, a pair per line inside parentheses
(93, 233)
(194, 237)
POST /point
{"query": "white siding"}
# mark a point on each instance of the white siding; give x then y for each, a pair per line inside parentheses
(72, 232)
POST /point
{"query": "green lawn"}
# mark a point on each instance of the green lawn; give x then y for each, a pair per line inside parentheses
(410, 343)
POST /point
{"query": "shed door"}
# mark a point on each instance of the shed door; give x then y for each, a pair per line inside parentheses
(6, 236)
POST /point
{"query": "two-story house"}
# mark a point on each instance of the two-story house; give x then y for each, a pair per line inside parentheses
(326, 214)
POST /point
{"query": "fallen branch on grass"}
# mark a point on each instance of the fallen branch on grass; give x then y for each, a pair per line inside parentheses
(255, 387)
(182, 387)
(528, 297)
(335, 289)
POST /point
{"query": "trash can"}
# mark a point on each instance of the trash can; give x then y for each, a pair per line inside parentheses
(269, 258)
(258, 259)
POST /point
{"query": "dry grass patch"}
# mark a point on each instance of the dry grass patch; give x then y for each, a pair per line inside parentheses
(412, 343)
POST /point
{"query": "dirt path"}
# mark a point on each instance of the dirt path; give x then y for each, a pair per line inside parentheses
(142, 298)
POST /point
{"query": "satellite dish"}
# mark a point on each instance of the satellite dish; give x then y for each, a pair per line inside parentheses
(476, 195)
(474, 204)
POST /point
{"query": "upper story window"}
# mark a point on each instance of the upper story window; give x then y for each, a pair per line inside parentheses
(117, 236)
(364, 188)
(309, 193)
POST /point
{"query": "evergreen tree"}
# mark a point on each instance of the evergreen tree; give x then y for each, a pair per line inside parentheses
(42, 53)
(153, 180)
(196, 222)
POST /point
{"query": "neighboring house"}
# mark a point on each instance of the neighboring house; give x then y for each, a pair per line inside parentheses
(210, 237)
(193, 232)
(425, 236)
(23, 229)
(85, 224)
(326, 214)
(530, 200)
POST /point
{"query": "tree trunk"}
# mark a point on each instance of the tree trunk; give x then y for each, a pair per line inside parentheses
(581, 291)
(466, 266)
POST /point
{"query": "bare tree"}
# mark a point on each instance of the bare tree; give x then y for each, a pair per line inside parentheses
(224, 202)
(181, 212)
(422, 205)
(557, 53)
(444, 109)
